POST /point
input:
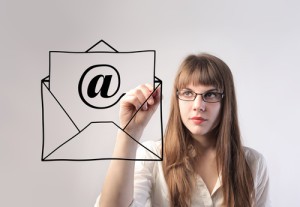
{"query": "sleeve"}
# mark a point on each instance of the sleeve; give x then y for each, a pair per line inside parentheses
(262, 184)
(97, 201)
(143, 178)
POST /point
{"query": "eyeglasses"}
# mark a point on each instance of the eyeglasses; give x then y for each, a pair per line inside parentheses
(209, 96)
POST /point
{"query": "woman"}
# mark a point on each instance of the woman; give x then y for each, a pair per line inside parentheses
(204, 162)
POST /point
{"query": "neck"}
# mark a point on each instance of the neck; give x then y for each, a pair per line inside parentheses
(206, 143)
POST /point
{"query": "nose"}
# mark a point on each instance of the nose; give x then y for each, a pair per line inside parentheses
(199, 104)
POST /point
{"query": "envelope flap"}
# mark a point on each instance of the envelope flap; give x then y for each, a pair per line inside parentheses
(102, 46)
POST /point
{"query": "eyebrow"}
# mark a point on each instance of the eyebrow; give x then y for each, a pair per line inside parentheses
(210, 90)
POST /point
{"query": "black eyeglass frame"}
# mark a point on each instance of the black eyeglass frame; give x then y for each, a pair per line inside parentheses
(201, 94)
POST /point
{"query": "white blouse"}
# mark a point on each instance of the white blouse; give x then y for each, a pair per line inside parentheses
(150, 188)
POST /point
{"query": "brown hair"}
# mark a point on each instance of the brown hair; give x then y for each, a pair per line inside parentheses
(179, 153)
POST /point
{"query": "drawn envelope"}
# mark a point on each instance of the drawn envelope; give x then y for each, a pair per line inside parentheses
(80, 102)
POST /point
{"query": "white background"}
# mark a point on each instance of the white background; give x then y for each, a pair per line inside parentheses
(258, 39)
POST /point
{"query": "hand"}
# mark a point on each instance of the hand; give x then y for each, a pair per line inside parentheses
(131, 103)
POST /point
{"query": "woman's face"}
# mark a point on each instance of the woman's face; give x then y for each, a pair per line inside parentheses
(198, 116)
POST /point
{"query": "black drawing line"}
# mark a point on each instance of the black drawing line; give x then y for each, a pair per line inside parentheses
(78, 52)
(97, 52)
(154, 61)
(97, 159)
(62, 108)
(79, 131)
(43, 123)
(82, 78)
(45, 158)
(161, 118)
(157, 80)
(47, 79)
(99, 43)
(49, 70)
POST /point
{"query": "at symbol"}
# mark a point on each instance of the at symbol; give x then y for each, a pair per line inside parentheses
(103, 91)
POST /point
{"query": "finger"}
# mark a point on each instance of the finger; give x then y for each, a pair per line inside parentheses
(148, 92)
(143, 95)
(157, 97)
(130, 99)
(140, 94)
(156, 92)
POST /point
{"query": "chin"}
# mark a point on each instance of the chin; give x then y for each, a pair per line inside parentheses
(198, 133)
(201, 133)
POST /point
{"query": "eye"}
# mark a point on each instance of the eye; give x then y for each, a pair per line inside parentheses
(187, 93)
(210, 95)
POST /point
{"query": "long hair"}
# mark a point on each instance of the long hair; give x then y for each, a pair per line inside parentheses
(179, 151)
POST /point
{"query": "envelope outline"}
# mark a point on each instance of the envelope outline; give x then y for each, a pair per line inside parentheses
(46, 88)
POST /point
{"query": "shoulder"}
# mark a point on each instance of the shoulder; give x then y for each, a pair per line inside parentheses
(255, 159)
(257, 164)
(252, 156)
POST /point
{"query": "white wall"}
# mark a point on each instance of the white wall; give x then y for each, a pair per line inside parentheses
(258, 39)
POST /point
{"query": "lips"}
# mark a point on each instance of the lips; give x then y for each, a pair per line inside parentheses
(198, 119)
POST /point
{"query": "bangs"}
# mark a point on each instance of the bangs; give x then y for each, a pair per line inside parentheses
(199, 71)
